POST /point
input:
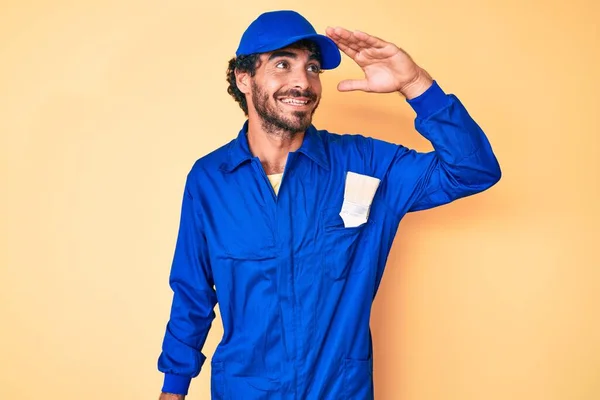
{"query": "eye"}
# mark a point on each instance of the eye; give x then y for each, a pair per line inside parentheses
(314, 68)
(281, 65)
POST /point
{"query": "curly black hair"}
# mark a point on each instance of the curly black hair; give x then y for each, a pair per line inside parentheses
(249, 63)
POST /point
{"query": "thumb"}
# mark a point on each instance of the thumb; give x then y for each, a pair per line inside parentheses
(353, 84)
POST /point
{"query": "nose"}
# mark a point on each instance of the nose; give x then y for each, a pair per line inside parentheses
(300, 79)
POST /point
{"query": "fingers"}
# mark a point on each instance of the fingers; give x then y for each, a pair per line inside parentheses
(355, 40)
(346, 49)
(343, 37)
(340, 37)
(367, 40)
(353, 84)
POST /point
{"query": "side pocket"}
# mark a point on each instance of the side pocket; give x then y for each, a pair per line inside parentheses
(358, 379)
(217, 381)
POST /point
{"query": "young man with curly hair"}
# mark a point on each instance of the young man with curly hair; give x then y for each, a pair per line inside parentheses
(288, 227)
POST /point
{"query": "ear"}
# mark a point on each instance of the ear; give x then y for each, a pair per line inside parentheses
(242, 80)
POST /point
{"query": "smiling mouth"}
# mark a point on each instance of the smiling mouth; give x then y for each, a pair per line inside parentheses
(295, 101)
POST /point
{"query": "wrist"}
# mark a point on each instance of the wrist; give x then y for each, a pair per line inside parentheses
(171, 396)
(417, 86)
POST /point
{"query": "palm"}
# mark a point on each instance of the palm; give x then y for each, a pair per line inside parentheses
(387, 68)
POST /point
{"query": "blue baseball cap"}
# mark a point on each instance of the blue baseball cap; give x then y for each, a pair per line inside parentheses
(277, 29)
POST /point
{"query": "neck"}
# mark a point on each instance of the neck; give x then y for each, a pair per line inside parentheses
(272, 147)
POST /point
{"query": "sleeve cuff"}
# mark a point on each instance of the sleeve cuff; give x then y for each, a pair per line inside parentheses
(176, 384)
(430, 101)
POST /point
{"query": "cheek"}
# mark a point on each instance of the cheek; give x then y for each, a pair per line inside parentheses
(270, 89)
(316, 86)
(273, 83)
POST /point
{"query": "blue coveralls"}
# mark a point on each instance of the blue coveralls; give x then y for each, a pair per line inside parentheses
(293, 284)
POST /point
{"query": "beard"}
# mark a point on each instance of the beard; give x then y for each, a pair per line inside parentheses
(274, 121)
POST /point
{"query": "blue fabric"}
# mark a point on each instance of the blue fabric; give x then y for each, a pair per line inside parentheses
(294, 286)
(274, 30)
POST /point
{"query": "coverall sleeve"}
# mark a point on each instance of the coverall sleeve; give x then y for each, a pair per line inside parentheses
(461, 164)
(194, 299)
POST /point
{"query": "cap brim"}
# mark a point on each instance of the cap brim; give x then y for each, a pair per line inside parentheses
(330, 53)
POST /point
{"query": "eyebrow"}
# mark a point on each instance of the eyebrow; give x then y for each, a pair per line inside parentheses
(289, 54)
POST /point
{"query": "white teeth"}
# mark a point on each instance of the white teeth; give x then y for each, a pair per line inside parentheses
(294, 101)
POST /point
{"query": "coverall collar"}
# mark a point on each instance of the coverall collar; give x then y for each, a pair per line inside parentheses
(239, 150)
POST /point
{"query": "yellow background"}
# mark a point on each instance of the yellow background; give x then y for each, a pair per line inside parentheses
(104, 106)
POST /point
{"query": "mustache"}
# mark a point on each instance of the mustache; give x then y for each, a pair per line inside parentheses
(309, 94)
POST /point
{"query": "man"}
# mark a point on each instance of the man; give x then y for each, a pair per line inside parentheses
(289, 227)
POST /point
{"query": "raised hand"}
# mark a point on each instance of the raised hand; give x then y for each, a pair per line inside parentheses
(387, 68)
